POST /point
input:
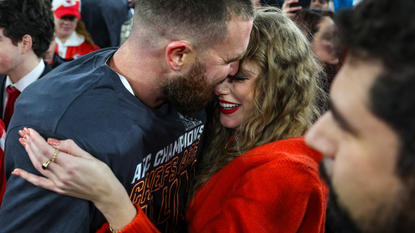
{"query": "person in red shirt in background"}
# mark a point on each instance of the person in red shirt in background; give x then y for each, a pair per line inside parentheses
(72, 39)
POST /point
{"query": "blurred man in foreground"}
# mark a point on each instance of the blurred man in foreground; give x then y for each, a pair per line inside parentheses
(368, 135)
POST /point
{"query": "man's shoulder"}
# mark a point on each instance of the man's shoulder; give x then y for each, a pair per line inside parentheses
(51, 96)
(87, 62)
(75, 74)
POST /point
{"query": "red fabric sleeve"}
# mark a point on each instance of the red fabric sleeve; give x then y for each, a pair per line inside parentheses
(285, 197)
(140, 224)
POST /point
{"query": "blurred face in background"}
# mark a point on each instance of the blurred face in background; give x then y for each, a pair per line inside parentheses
(320, 4)
(326, 43)
(65, 26)
(50, 52)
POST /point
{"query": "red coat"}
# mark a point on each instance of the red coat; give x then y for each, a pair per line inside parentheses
(75, 47)
(272, 188)
(75, 52)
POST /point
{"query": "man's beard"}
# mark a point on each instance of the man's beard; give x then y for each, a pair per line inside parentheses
(398, 216)
(189, 93)
(337, 219)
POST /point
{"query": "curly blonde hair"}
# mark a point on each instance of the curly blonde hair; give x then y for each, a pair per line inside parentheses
(286, 96)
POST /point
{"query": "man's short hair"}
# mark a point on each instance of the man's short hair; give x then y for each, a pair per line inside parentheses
(202, 22)
(385, 30)
(28, 17)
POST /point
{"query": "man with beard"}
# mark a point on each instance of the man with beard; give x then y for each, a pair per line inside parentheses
(140, 108)
(368, 135)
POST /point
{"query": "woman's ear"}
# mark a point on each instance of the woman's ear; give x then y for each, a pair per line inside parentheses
(177, 54)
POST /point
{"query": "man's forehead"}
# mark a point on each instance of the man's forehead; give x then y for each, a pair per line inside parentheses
(350, 93)
(356, 77)
(236, 41)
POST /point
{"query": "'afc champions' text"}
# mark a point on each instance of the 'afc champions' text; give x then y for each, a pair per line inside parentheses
(168, 175)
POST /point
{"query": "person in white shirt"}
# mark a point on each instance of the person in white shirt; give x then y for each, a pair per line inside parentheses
(26, 30)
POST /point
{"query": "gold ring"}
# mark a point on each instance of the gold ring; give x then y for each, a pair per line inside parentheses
(54, 155)
(46, 164)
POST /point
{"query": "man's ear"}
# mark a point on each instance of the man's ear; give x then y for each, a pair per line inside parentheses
(176, 54)
(26, 43)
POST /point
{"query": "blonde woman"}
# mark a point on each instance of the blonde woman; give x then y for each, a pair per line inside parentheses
(256, 175)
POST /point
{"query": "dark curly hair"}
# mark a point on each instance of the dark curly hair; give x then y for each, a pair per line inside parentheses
(385, 30)
(28, 17)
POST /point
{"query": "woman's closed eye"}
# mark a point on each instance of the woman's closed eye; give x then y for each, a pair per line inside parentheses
(239, 78)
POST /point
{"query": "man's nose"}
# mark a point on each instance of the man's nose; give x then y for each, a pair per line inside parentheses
(233, 68)
(320, 137)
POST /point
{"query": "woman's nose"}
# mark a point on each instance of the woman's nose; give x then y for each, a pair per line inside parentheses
(222, 87)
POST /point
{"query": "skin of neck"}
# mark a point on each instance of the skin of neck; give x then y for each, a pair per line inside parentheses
(144, 65)
(28, 63)
(63, 39)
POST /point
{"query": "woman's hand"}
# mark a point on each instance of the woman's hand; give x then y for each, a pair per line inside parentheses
(76, 173)
(288, 10)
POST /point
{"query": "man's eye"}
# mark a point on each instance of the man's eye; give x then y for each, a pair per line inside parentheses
(239, 78)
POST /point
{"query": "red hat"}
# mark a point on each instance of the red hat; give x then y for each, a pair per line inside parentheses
(67, 7)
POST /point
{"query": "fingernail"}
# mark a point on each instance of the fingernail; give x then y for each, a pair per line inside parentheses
(22, 134)
(54, 142)
(27, 131)
(22, 141)
(15, 173)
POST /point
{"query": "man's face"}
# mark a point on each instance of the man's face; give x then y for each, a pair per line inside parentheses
(223, 59)
(10, 54)
(360, 150)
(191, 92)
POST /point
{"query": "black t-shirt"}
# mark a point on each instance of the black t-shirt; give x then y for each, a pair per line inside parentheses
(151, 151)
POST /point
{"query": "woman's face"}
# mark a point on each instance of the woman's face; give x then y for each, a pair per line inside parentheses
(65, 26)
(326, 42)
(236, 96)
